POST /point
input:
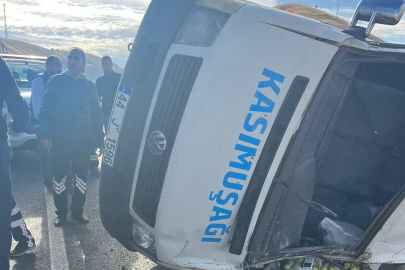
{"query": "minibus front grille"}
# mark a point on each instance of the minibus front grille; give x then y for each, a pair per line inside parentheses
(137, 111)
(176, 87)
(264, 163)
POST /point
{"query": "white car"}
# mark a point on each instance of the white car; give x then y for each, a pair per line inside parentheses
(240, 131)
(24, 69)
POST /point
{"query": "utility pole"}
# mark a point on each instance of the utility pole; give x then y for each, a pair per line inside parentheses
(3, 47)
(337, 11)
(5, 22)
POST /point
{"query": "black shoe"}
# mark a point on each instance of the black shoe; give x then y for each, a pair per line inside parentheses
(22, 248)
(60, 221)
(80, 218)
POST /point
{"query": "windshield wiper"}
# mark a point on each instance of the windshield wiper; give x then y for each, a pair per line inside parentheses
(314, 205)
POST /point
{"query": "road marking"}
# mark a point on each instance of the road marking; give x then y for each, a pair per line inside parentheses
(57, 246)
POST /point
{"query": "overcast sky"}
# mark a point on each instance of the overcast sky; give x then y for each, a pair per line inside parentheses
(107, 26)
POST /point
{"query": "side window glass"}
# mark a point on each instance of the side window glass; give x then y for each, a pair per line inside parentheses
(25, 74)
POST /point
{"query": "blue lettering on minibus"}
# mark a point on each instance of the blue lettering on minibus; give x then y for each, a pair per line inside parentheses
(220, 201)
(244, 164)
(234, 181)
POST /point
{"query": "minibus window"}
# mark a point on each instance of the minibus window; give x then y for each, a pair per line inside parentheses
(202, 27)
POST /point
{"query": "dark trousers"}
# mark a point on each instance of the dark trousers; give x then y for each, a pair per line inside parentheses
(19, 228)
(93, 156)
(5, 206)
(64, 151)
(44, 160)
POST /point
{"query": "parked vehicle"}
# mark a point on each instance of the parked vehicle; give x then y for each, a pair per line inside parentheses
(239, 131)
(24, 69)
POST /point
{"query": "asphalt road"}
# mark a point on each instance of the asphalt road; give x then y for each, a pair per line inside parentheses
(75, 246)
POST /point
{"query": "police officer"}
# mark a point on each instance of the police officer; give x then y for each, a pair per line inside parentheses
(18, 109)
(70, 115)
(53, 66)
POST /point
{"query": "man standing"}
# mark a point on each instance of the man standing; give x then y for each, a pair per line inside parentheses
(53, 67)
(107, 86)
(18, 109)
(70, 115)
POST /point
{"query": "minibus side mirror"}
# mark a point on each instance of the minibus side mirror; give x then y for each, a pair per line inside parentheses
(388, 12)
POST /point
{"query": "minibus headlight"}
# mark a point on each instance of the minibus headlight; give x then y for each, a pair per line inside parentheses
(142, 236)
(202, 27)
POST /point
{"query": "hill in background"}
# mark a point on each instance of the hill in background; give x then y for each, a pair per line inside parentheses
(319, 15)
(93, 67)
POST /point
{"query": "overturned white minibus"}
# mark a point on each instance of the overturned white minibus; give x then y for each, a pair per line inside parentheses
(241, 131)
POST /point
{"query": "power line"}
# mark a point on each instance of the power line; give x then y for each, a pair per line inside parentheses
(5, 22)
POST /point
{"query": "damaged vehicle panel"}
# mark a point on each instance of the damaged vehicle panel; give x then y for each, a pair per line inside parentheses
(388, 245)
(244, 135)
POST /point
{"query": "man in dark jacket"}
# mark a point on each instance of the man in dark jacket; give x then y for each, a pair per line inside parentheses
(18, 109)
(70, 115)
(53, 67)
(107, 86)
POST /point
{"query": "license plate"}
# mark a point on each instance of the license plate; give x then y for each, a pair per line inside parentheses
(114, 127)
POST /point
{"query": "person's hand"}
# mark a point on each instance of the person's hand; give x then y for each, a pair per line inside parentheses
(100, 152)
(11, 131)
(47, 144)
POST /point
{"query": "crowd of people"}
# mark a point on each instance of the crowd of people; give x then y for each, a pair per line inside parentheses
(68, 112)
